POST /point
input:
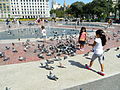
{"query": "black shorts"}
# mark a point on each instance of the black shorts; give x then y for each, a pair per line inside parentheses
(82, 42)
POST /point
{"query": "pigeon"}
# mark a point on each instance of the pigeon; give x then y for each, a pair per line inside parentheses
(52, 52)
(86, 54)
(2, 54)
(118, 55)
(25, 49)
(38, 46)
(57, 58)
(49, 54)
(107, 50)
(35, 50)
(50, 61)
(6, 88)
(40, 56)
(117, 40)
(65, 57)
(51, 47)
(117, 49)
(72, 54)
(14, 50)
(9, 33)
(61, 66)
(51, 39)
(58, 54)
(48, 67)
(7, 48)
(13, 44)
(18, 39)
(21, 58)
(6, 58)
(42, 66)
(28, 40)
(51, 76)
(33, 44)
(38, 41)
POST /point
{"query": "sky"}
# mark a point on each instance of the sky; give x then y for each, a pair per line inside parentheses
(69, 2)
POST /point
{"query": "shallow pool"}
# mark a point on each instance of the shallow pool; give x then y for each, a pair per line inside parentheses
(36, 33)
(84, 24)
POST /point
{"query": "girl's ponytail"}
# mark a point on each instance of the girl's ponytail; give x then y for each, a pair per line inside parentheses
(102, 36)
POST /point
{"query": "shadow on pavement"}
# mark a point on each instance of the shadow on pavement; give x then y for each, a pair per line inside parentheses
(78, 64)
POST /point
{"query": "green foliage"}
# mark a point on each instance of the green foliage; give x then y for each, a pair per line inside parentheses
(118, 5)
(76, 9)
(59, 12)
(2, 20)
(99, 8)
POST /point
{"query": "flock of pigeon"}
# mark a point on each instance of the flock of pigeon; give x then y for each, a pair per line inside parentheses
(64, 46)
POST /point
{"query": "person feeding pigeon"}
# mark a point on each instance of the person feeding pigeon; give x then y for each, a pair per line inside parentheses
(82, 38)
(44, 35)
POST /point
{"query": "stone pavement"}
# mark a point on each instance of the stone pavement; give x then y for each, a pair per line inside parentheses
(29, 76)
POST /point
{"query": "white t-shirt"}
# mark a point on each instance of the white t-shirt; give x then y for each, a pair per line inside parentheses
(44, 32)
(98, 48)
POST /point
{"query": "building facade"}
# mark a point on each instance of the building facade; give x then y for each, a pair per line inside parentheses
(4, 8)
(55, 5)
(24, 8)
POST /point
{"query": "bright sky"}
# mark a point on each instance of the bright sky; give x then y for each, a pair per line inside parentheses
(69, 2)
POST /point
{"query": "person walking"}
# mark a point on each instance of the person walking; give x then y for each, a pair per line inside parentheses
(98, 44)
(44, 35)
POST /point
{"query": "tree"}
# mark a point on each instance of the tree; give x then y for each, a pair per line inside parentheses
(88, 10)
(102, 7)
(76, 9)
(59, 12)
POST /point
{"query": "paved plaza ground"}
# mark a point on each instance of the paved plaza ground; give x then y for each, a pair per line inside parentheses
(27, 75)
